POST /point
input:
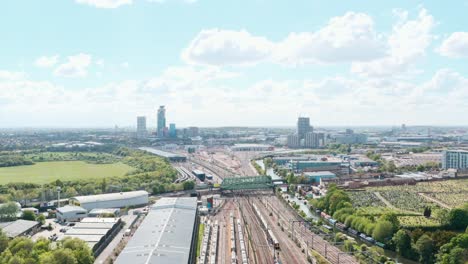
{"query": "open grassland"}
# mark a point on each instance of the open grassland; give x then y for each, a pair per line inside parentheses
(46, 172)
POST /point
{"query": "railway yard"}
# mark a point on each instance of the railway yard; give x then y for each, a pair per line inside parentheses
(256, 226)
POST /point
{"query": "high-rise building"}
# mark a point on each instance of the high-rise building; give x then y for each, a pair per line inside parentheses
(294, 141)
(172, 130)
(141, 126)
(303, 127)
(455, 159)
(161, 121)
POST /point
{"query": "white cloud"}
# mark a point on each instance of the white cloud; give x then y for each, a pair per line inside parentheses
(407, 43)
(105, 3)
(206, 96)
(9, 75)
(227, 47)
(76, 66)
(347, 38)
(455, 46)
(125, 65)
(46, 61)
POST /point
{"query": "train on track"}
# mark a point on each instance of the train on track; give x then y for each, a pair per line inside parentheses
(271, 237)
(199, 174)
(342, 227)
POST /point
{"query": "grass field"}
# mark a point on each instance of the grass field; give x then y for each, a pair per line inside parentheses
(46, 172)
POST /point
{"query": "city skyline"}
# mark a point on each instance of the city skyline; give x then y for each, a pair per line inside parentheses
(341, 64)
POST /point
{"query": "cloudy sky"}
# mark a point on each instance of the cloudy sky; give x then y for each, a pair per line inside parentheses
(97, 63)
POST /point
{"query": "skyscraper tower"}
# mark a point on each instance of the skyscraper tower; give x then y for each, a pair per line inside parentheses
(141, 126)
(161, 121)
(303, 126)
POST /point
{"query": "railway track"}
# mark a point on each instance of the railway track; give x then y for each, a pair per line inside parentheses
(290, 252)
(307, 237)
(261, 251)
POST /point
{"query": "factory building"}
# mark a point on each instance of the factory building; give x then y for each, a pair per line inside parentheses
(111, 200)
(167, 235)
(170, 156)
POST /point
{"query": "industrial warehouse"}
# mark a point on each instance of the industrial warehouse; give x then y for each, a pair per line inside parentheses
(167, 234)
(170, 156)
(111, 200)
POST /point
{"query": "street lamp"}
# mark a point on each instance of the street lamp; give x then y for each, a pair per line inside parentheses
(59, 189)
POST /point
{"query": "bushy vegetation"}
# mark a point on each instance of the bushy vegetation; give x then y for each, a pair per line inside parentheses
(23, 250)
(422, 237)
(14, 160)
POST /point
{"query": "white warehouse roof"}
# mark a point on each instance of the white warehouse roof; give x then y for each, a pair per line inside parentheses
(109, 197)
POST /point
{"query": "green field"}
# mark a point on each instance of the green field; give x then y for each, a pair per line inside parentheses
(46, 172)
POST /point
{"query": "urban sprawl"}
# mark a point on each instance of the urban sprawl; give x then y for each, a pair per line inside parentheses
(304, 194)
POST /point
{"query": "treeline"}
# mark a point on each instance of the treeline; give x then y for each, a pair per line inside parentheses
(14, 160)
(425, 246)
(152, 173)
(23, 250)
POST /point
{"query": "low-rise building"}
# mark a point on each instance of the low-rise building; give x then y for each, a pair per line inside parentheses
(20, 227)
(317, 176)
(71, 213)
(111, 200)
(167, 235)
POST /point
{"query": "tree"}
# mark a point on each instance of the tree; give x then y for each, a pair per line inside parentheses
(188, 185)
(425, 248)
(3, 241)
(41, 218)
(29, 215)
(383, 230)
(427, 211)
(402, 242)
(8, 211)
(458, 219)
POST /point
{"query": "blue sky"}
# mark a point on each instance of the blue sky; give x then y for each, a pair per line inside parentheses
(88, 63)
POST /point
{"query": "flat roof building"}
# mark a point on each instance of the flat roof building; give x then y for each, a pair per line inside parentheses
(111, 200)
(165, 154)
(167, 235)
(252, 147)
(455, 159)
(19, 227)
(71, 213)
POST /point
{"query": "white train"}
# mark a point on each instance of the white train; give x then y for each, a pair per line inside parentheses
(271, 236)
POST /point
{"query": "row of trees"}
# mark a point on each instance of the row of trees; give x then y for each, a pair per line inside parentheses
(14, 160)
(152, 173)
(23, 250)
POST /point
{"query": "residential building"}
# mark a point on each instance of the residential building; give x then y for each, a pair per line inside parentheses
(455, 159)
(314, 140)
(294, 141)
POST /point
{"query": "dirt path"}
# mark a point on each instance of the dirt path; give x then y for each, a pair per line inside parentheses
(387, 203)
(435, 201)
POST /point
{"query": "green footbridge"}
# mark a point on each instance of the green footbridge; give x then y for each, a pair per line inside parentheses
(246, 183)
